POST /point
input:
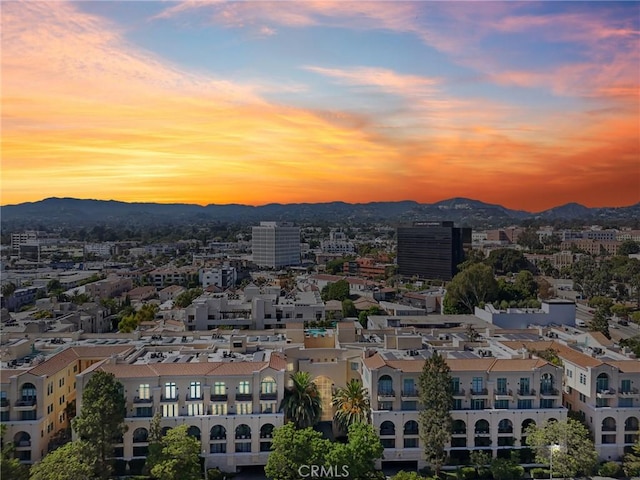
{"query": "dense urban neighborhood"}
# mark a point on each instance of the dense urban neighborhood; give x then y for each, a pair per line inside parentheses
(354, 350)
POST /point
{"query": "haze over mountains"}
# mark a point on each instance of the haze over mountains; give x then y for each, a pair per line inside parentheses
(71, 211)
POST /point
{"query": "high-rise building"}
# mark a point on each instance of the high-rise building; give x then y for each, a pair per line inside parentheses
(276, 244)
(431, 250)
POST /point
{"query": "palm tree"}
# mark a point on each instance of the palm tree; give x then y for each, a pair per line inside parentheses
(301, 403)
(352, 404)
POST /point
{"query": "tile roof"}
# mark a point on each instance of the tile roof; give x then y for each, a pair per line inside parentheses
(518, 365)
(601, 339)
(7, 373)
(184, 369)
(374, 361)
(470, 364)
(626, 366)
(564, 352)
(55, 363)
(277, 361)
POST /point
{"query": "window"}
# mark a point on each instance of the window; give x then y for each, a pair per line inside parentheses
(61, 382)
(502, 386)
(409, 405)
(194, 409)
(455, 384)
(582, 397)
(525, 404)
(502, 404)
(385, 405)
(244, 387)
(170, 410)
(524, 386)
(170, 390)
(270, 407)
(355, 366)
(583, 379)
(218, 409)
(144, 392)
(477, 384)
(195, 390)
(409, 387)
(477, 404)
(219, 388)
(602, 402)
(625, 402)
(546, 403)
(218, 448)
(144, 412)
(626, 386)
(244, 408)
(410, 443)
(4, 416)
(243, 447)
(457, 404)
(268, 385)
(28, 415)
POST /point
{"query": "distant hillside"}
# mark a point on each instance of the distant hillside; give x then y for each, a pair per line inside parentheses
(71, 212)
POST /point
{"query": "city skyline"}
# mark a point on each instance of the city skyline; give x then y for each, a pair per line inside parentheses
(526, 105)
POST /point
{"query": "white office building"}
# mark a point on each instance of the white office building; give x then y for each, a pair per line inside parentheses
(276, 244)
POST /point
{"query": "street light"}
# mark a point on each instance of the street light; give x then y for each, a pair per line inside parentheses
(552, 448)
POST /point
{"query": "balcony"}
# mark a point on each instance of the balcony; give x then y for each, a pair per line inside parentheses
(195, 398)
(482, 392)
(222, 397)
(410, 394)
(505, 430)
(482, 432)
(4, 402)
(460, 433)
(386, 395)
(387, 432)
(629, 393)
(26, 404)
(244, 397)
(608, 428)
(169, 399)
(268, 396)
(503, 394)
(138, 400)
(526, 393)
(605, 393)
(459, 393)
(549, 392)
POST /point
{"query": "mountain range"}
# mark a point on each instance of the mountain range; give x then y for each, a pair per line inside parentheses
(63, 212)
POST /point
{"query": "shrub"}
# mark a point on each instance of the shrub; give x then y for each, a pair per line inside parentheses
(610, 469)
(484, 474)
(468, 473)
(540, 473)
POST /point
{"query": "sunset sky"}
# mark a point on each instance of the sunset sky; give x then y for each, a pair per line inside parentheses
(526, 104)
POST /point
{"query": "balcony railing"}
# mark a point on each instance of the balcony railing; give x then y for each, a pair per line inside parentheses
(605, 392)
(26, 402)
(244, 396)
(387, 432)
(480, 391)
(549, 392)
(459, 432)
(413, 393)
(608, 428)
(386, 394)
(195, 397)
(527, 392)
(268, 395)
(219, 397)
(4, 402)
(169, 399)
(482, 432)
(459, 392)
(142, 400)
(629, 392)
(504, 393)
(505, 430)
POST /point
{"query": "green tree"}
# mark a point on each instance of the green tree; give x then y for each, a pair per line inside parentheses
(101, 419)
(352, 405)
(530, 239)
(508, 260)
(589, 277)
(506, 469)
(602, 303)
(436, 396)
(11, 467)
(600, 323)
(633, 343)
(569, 443)
(8, 289)
(526, 284)
(127, 324)
(479, 459)
(349, 309)
(69, 462)
(54, 285)
(335, 291)
(360, 453)
(628, 247)
(302, 404)
(179, 458)
(402, 475)
(469, 288)
(186, 298)
(631, 462)
(620, 311)
(292, 448)
(155, 442)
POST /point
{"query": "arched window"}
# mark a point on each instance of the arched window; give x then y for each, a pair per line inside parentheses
(482, 427)
(546, 383)
(505, 426)
(268, 386)
(609, 424)
(140, 435)
(28, 393)
(631, 424)
(22, 439)
(165, 430)
(194, 432)
(411, 428)
(385, 385)
(459, 427)
(602, 383)
(387, 428)
(218, 432)
(243, 431)
(266, 431)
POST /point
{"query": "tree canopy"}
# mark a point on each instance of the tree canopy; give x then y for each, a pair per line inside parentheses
(352, 405)
(11, 467)
(302, 404)
(101, 419)
(469, 288)
(335, 291)
(436, 396)
(69, 462)
(179, 458)
(573, 451)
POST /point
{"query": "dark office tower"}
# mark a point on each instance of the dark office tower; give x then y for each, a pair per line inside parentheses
(431, 250)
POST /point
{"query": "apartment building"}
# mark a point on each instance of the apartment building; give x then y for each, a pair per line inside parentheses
(229, 401)
(605, 387)
(163, 277)
(275, 244)
(35, 401)
(494, 401)
(112, 286)
(224, 276)
(593, 247)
